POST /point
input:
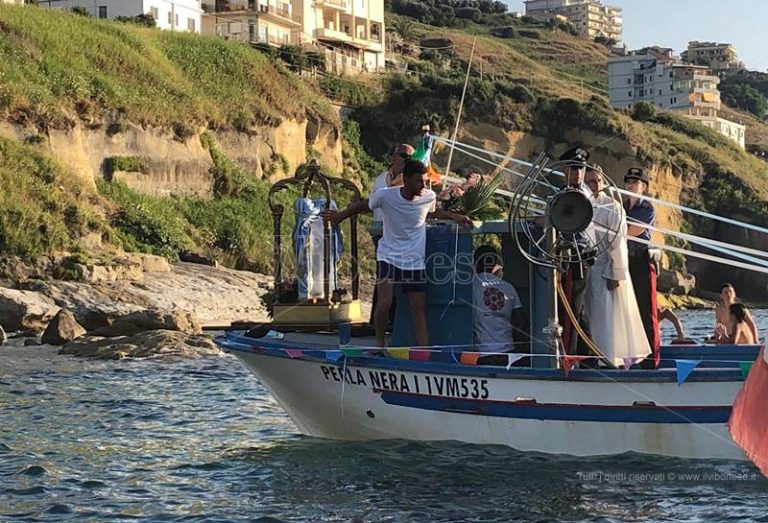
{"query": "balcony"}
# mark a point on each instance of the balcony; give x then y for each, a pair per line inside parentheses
(343, 5)
(280, 11)
(323, 33)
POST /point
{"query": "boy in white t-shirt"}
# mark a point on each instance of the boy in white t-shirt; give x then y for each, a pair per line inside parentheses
(400, 254)
(497, 315)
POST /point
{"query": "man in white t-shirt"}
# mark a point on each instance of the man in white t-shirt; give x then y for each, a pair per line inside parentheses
(401, 251)
(498, 317)
(392, 177)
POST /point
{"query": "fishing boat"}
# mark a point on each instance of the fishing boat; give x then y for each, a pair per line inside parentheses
(322, 366)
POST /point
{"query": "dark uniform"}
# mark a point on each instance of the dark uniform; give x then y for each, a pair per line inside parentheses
(574, 281)
(641, 267)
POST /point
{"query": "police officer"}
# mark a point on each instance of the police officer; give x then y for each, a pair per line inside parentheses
(574, 281)
(640, 213)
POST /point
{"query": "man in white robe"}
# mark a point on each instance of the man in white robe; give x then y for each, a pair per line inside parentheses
(616, 327)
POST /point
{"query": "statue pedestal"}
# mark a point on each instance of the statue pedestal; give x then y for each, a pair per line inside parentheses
(308, 313)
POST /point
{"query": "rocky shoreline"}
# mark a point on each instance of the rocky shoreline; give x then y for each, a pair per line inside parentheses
(140, 306)
(136, 306)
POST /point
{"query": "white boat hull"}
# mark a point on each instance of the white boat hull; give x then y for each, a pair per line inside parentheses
(368, 402)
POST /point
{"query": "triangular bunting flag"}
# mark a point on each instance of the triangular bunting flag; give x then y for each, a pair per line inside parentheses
(333, 355)
(512, 358)
(294, 353)
(684, 369)
(469, 358)
(745, 366)
(399, 353)
(350, 351)
(569, 361)
(419, 355)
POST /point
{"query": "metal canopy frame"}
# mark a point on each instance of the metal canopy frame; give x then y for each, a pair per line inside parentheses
(307, 177)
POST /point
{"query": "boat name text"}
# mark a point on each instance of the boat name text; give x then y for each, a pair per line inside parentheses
(380, 380)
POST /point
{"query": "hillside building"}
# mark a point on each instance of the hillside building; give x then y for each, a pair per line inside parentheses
(591, 18)
(655, 76)
(350, 32)
(270, 22)
(718, 57)
(173, 15)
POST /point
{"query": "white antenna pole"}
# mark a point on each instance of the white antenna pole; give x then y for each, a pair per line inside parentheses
(461, 106)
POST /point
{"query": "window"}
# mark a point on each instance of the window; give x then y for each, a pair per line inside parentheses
(102, 11)
(177, 21)
(659, 92)
(170, 18)
(191, 24)
(629, 81)
(155, 14)
(629, 94)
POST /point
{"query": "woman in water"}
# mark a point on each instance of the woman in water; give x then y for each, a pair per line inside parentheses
(723, 314)
(740, 332)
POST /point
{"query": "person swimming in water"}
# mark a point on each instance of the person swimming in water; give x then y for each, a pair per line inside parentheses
(739, 329)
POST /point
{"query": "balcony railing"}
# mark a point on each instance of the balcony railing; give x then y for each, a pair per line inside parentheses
(281, 9)
(338, 4)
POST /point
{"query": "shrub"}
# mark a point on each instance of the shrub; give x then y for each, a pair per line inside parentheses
(144, 20)
(643, 111)
(80, 10)
(146, 223)
(529, 33)
(470, 13)
(504, 32)
(137, 164)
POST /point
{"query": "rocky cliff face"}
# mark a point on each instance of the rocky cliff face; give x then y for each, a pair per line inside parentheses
(180, 167)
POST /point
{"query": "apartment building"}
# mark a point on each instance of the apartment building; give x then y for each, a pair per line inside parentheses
(591, 18)
(349, 32)
(655, 76)
(718, 57)
(173, 15)
(270, 22)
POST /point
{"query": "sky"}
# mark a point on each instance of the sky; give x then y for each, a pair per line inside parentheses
(672, 23)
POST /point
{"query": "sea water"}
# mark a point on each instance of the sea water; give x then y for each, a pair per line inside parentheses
(84, 440)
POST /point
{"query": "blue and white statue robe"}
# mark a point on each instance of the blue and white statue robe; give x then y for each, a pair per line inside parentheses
(308, 248)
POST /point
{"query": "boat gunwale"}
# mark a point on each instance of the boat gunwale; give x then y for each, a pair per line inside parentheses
(276, 349)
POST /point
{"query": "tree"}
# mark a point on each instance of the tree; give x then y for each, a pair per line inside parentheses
(746, 97)
(405, 28)
(80, 10)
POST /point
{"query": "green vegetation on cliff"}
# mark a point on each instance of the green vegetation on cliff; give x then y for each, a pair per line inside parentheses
(43, 208)
(55, 66)
(527, 77)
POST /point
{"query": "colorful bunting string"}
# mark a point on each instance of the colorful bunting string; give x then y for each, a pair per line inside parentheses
(683, 367)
